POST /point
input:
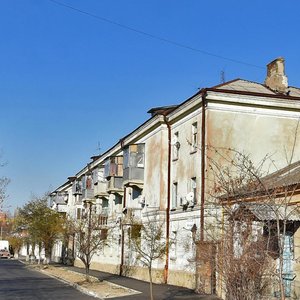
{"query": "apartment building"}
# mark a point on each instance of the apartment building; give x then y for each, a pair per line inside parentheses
(161, 170)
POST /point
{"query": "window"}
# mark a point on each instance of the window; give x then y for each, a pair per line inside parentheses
(103, 234)
(136, 192)
(134, 156)
(88, 182)
(176, 145)
(136, 231)
(194, 142)
(194, 188)
(102, 220)
(95, 175)
(113, 166)
(140, 156)
(174, 195)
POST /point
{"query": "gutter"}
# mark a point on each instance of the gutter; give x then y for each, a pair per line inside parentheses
(247, 93)
(166, 269)
(203, 147)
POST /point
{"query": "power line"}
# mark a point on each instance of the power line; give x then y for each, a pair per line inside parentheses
(149, 35)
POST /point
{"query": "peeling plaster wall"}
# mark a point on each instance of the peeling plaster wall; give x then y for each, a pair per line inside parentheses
(183, 169)
(255, 131)
(155, 176)
(258, 132)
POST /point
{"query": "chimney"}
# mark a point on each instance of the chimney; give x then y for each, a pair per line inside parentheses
(276, 79)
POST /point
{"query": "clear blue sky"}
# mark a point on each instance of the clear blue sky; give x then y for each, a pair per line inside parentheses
(69, 80)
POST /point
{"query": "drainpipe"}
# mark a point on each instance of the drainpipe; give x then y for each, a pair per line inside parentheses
(166, 269)
(203, 138)
(122, 228)
(122, 238)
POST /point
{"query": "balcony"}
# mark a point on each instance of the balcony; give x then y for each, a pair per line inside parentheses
(113, 167)
(133, 173)
(59, 198)
(62, 208)
(115, 184)
(88, 194)
(100, 189)
(134, 176)
(77, 188)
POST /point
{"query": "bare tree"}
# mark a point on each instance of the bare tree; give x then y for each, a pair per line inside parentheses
(3, 184)
(90, 237)
(257, 214)
(149, 243)
(4, 181)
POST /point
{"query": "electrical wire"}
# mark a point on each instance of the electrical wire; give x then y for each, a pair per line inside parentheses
(149, 35)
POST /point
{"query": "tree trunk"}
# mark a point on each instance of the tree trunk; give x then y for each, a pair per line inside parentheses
(150, 282)
(87, 270)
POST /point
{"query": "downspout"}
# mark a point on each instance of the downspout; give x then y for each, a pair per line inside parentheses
(166, 269)
(122, 228)
(203, 139)
(122, 238)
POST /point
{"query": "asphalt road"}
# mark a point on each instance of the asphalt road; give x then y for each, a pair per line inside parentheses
(18, 282)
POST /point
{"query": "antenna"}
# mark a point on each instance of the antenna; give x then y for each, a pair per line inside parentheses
(98, 149)
(223, 76)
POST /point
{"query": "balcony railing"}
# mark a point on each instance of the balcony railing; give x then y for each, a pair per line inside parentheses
(115, 184)
(134, 156)
(62, 208)
(133, 174)
(87, 194)
(100, 189)
(59, 198)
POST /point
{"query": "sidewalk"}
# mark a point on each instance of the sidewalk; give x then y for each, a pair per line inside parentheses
(160, 291)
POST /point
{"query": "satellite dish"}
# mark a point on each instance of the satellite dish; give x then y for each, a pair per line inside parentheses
(184, 202)
(190, 197)
(174, 141)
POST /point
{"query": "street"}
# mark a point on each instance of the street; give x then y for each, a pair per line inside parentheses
(19, 282)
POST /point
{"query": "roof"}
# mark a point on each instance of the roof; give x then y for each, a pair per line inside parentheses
(285, 179)
(287, 176)
(162, 109)
(253, 87)
(268, 212)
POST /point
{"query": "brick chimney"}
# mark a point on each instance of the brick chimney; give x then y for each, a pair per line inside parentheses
(276, 79)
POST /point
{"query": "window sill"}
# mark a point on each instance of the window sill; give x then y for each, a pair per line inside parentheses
(179, 209)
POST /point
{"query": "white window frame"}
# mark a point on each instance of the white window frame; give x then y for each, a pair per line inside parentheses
(194, 142)
(176, 145)
(174, 194)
